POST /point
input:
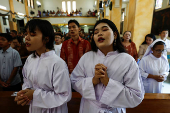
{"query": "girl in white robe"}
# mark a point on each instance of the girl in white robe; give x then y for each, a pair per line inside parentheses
(47, 86)
(154, 67)
(107, 78)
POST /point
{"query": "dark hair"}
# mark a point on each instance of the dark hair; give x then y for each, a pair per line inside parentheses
(7, 36)
(59, 34)
(46, 29)
(118, 46)
(18, 38)
(124, 34)
(164, 29)
(74, 21)
(158, 43)
(14, 31)
(151, 36)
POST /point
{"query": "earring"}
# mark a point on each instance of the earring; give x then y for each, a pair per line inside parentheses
(114, 42)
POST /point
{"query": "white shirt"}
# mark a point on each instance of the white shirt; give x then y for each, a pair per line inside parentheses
(57, 49)
(155, 66)
(124, 88)
(48, 75)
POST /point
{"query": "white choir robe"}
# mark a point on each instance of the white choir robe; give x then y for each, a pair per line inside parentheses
(124, 89)
(155, 66)
(48, 75)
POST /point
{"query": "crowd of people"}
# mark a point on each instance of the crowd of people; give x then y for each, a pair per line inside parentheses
(101, 66)
(62, 13)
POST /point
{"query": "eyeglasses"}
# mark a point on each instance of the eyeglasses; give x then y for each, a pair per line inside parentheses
(161, 51)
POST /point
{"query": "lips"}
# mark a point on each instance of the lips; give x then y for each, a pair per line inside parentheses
(27, 44)
(100, 39)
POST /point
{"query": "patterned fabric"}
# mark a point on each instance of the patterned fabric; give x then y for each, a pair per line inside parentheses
(131, 49)
(71, 52)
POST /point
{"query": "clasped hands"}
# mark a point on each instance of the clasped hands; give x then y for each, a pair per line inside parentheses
(100, 75)
(159, 78)
(24, 97)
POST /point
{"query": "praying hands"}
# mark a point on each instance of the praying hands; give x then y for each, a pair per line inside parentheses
(24, 97)
(100, 75)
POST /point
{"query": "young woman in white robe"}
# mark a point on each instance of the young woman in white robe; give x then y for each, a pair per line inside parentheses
(107, 78)
(154, 67)
(47, 86)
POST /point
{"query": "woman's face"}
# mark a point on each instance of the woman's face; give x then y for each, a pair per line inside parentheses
(34, 40)
(127, 36)
(149, 40)
(103, 36)
(158, 50)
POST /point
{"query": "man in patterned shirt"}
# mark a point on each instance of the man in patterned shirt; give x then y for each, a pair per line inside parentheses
(74, 48)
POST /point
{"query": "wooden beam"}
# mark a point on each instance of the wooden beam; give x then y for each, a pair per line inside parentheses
(26, 9)
(13, 25)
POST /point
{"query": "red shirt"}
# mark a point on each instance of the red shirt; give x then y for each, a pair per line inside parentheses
(71, 52)
(131, 49)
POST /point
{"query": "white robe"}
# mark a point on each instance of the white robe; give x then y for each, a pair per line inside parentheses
(155, 66)
(124, 89)
(48, 75)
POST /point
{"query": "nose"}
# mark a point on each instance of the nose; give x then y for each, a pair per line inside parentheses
(27, 37)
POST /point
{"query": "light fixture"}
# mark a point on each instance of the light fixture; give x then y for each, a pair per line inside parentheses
(3, 7)
(85, 25)
(38, 3)
(21, 14)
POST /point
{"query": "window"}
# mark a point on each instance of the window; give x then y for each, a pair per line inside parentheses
(169, 2)
(74, 5)
(158, 4)
(70, 6)
(31, 3)
(20, 1)
(64, 6)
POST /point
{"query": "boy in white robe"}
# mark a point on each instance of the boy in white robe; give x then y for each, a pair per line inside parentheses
(154, 67)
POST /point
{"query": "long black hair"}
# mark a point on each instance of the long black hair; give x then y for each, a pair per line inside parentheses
(151, 36)
(46, 29)
(118, 46)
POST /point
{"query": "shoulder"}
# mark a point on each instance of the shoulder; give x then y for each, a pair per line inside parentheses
(87, 56)
(133, 43)
(125, 56)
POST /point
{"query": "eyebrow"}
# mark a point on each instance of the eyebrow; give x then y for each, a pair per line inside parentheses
(102, 27)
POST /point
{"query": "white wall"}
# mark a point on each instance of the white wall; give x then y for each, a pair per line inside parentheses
(66, 19)
(5, 3)
(53, 4)
(19, 7)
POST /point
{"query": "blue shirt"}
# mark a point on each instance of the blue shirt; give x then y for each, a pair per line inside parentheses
(8, 60)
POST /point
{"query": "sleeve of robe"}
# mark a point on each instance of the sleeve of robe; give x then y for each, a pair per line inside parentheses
(61, 92)
(128, 94)
(27, 83)
(142, 67)
(82, 84)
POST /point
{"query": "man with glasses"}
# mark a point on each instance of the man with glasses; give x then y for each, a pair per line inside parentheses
(74, 48)
(58, 43)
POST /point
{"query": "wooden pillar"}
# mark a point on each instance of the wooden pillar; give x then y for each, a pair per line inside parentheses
(140, 19)
(13, 25)
(26, 9)
(115, 13)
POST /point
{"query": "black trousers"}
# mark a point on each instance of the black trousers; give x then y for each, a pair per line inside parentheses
(16, 87)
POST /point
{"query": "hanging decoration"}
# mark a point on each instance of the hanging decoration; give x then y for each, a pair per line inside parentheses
(10, 12)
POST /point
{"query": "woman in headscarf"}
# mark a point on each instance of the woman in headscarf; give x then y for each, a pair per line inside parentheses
(154, 67)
